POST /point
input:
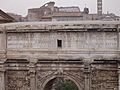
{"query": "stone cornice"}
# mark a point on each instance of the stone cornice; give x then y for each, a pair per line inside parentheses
(61, 26)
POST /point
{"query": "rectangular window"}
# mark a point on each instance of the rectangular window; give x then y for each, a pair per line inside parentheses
(59, 43)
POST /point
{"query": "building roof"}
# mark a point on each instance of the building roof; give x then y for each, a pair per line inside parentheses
(5, 17)
(15, 16)
(69, 9)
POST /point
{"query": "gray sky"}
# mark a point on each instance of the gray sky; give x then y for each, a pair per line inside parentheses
(21, 6)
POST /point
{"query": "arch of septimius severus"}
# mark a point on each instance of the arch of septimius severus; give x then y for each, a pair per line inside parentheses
(34, 54)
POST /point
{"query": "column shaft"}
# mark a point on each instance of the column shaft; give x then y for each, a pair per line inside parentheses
(32, 71)
(87, 70)
(2, 76)
(119, 77)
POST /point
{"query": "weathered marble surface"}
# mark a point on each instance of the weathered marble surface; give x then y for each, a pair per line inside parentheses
(71, 40)
(89, 56)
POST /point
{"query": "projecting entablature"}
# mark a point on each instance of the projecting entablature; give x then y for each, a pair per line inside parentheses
(61, 26)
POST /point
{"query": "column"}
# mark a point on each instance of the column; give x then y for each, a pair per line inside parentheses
(118, 38)
(4, 40)
(32, 72)
(2, 76)
(118, 76)
(118, 46)
(3, 45)
(87, 70)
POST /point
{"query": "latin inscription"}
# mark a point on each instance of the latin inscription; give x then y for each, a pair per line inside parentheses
(72, 40)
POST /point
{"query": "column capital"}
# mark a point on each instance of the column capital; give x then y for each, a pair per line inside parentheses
(33, 60)
(88, 60)
(118, 68)
(32, 66)
(3, 60)
(2, 68)
(87, 68)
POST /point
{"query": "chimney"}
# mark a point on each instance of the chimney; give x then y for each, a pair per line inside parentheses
(99, 7)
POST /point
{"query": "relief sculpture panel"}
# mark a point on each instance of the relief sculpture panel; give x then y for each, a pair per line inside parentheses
(17, 80)
(104, 78)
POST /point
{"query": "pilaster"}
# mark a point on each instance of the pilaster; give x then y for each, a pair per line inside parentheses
(118, 38)
(87, 73)
(2, 75)
(118, 76)
(32, 72)
(3, 45)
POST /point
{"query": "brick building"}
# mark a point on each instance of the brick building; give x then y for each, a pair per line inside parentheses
(50, 12)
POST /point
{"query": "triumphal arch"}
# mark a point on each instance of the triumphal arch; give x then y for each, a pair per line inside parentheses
(34, 54)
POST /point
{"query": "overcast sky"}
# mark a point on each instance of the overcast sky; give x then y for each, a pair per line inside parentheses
(21, 6)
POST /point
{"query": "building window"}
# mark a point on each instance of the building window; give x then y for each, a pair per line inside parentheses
(59, 43)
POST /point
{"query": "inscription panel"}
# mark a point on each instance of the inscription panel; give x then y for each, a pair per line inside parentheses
(96, 40)
(71, 40)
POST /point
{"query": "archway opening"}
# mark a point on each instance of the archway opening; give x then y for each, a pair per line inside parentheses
(60, 83)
